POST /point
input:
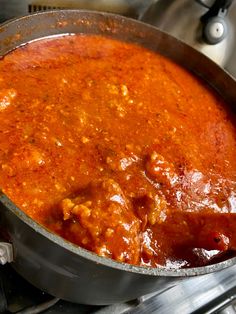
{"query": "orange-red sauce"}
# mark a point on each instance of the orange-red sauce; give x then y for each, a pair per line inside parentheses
(119, 150)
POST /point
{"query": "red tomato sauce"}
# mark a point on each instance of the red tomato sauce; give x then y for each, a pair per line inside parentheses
(118, 150)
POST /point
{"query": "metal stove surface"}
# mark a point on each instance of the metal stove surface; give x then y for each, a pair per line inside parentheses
(183, 19)
(13, 8)
(213, 293)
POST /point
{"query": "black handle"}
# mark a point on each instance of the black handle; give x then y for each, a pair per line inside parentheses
(219, 7)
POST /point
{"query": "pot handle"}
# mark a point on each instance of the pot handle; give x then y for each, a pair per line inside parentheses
(6, 253)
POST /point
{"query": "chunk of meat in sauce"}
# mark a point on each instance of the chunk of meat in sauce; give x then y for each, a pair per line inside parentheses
(22, 159)
(160, 170)
(151, 209)
(103, 213)
(120, 162)
(203, 237)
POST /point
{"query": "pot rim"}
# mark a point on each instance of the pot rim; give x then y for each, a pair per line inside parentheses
(58, 240)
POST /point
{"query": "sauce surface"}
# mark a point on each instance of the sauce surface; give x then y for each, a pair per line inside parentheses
(119, 150)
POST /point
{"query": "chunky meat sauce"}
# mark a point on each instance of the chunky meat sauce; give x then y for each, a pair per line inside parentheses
(119, 150)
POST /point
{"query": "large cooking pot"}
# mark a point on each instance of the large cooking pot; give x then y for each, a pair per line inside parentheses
(45, 259)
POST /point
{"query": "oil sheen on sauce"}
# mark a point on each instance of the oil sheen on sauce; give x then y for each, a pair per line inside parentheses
(119, 150)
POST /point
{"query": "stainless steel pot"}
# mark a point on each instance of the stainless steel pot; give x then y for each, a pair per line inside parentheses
(45, 259)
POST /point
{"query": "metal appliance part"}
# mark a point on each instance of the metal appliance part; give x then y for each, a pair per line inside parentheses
(14, 8)
(6, 253)
(214, 293)
(215, 27)
(182, 19)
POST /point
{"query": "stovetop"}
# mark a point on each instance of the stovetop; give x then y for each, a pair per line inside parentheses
(213, 293)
